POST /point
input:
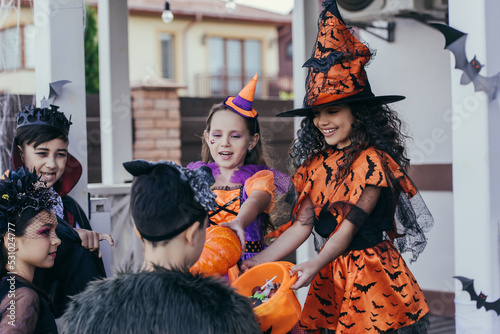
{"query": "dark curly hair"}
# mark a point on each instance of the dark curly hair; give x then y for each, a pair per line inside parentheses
(375, 125)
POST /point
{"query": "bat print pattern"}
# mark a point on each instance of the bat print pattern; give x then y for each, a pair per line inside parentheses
(365, 288)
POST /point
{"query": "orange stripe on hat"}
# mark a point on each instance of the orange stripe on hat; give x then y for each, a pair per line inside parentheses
(243, 102)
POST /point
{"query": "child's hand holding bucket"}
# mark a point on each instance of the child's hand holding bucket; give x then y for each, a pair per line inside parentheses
(306, 271)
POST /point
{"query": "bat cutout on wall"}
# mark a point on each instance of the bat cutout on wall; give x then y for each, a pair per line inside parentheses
(455, 42)
(56, 88)
(468, 285)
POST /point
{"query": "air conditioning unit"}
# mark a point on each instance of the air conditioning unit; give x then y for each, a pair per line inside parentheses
(376, 10)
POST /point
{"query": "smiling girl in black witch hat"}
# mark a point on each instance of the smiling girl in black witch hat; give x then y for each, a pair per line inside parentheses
(354, 191)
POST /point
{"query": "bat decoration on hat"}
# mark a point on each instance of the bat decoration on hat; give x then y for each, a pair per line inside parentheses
(468, 285)
(455, 42)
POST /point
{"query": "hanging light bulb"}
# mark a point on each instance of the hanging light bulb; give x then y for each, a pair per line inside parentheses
(167, 15)
(230, 6)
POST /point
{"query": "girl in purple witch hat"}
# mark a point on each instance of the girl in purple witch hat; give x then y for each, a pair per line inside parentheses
(245, 186)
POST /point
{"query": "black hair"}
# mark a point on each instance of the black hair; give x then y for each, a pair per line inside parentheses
(38, 134)
(20, 223)
(163, 204)
(162, 301)
(374, 125)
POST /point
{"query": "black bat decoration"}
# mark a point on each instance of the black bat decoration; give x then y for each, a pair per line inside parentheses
(380, 178)
(370, 254)
(268, 331)
(324, 49)
(468, 285)
(393, 275)
(55, 90)
(413, 316)
(455, 42)
(360, 268)
(322, 198)
(347, 326)
(377, 306)
(323, 301)
(398, 288)
(325, 314)
(358, 310)
(346, 189)
(323, 64)
(332, 35)
(355, 82)
(371, 167)
(329, 173)
(321, 276)
(364, 288)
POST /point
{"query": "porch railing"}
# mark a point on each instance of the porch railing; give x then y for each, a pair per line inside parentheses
(127, 251)
(207, 85)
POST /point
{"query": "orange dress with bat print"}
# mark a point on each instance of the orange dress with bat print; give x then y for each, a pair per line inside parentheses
(369, 288)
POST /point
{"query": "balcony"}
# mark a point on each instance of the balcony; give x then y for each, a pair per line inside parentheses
(209, 85)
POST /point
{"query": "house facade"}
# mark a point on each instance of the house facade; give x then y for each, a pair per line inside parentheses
(208, 49)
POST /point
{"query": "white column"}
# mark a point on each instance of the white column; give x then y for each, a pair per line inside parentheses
(304, 32)
(114, 90)
(476, 168)
(60, 56)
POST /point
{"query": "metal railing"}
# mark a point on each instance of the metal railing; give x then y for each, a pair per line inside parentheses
(223, 85)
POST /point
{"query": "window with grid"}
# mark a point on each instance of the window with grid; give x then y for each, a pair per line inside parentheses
(167, 55)
(233, 62)
(17, 50)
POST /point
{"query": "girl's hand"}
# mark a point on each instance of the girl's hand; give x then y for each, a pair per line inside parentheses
(247, 264)
(90, 239)
(307, 271)
(239, 230)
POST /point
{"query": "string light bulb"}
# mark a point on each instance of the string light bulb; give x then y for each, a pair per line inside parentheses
(167, 15)
(230, 6)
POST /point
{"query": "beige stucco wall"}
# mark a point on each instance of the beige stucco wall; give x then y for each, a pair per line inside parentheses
(190, 48)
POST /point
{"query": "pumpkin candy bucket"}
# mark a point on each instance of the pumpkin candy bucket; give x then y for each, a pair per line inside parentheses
(281, 312)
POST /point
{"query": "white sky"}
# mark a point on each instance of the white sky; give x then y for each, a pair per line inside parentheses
(279, 6)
